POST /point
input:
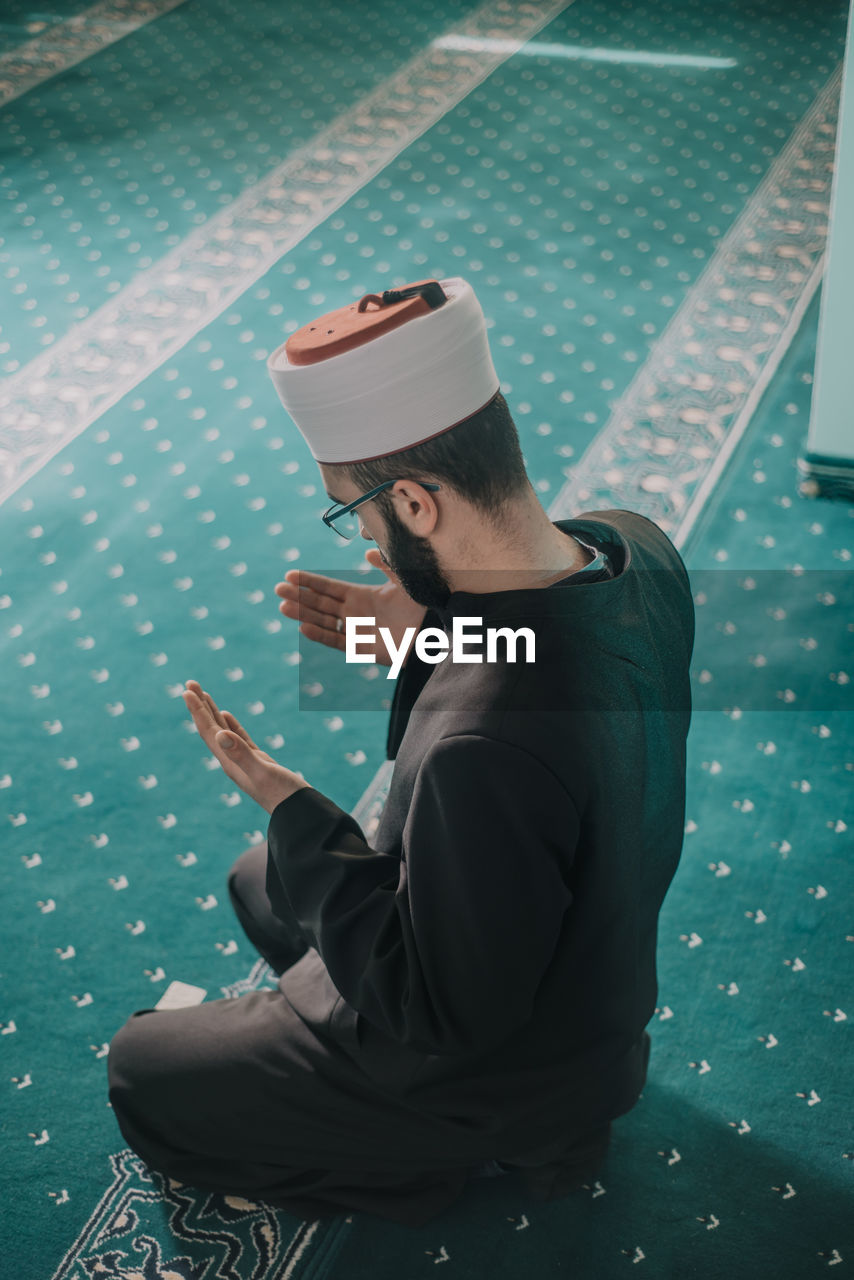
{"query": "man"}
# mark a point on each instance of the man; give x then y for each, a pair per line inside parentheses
(472, 985)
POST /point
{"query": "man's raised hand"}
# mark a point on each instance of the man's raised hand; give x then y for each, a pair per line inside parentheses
(319, 604)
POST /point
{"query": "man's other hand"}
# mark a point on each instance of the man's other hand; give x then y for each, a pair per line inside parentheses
(254, 771)
(318, 603)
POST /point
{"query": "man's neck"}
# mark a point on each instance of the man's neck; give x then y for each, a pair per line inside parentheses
(534, 554)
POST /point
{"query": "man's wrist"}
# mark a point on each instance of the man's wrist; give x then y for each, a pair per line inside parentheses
(275, 803)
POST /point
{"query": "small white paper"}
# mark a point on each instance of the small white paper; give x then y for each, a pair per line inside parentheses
(180, 995)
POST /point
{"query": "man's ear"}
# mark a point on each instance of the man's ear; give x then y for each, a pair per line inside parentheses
(415, 506)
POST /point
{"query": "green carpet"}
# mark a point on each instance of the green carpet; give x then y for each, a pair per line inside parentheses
(176, 203)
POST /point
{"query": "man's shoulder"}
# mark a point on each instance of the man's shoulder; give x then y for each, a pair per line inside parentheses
(624, 521)
(650, 545)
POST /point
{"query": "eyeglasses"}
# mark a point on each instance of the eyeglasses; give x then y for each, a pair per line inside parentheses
(340, 517)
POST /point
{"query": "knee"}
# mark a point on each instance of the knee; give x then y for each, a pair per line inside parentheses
(248, 871)
(129, 1079)
(128, 1059)
(136, 1091)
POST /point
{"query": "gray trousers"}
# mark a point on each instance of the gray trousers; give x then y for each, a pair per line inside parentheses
(241, 1097)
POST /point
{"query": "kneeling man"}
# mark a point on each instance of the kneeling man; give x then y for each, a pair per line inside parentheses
(467, 989)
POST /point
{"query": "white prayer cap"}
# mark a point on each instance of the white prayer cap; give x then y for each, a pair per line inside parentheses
(388, 372)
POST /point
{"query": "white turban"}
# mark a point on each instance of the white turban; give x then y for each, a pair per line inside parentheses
(388, 372)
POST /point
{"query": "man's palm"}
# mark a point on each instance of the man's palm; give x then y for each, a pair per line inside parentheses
(317, 602)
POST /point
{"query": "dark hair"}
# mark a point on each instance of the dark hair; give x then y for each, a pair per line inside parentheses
(480, 458)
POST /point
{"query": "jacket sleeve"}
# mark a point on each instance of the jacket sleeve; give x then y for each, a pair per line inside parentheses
(445, 947)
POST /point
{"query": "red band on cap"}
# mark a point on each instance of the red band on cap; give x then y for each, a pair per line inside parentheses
(351, 327)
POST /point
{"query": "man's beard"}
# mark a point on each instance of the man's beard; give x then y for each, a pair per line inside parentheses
(415, 563)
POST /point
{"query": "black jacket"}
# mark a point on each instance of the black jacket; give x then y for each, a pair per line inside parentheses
(492, 953)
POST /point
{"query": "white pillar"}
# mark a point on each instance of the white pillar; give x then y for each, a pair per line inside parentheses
(828, 463)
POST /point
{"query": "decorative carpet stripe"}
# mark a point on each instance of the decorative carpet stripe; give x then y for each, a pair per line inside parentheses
(254, 1249)
(732, 331)
(64, 44)
(101, 359)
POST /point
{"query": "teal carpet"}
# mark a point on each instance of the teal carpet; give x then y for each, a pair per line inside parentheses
(203, 180)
